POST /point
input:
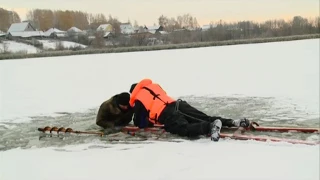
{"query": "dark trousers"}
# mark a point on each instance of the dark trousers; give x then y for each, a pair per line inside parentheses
(187, 120)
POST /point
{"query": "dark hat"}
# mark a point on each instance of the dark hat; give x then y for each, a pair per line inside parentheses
(132, 87)
(123, 99)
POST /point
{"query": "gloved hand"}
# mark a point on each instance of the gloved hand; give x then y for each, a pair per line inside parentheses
(245, 123)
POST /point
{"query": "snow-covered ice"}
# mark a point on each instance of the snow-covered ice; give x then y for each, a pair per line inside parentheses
(288, 71)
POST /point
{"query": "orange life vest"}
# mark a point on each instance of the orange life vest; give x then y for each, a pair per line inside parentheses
(152, 96)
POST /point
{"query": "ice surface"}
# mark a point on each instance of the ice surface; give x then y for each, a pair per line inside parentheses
(288, 71)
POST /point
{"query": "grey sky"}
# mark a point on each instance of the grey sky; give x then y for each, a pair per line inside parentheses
(147, 11)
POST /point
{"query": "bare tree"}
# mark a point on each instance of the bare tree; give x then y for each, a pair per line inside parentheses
(98, 41)
(7, 18)
(163, 21)
(140, 39)
(136, 25)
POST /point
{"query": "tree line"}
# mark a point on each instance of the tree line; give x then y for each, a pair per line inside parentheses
(44, 19)
(220, 30)
(7, 18)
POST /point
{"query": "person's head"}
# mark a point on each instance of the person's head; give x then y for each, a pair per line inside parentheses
(132, 87)
(123, 100)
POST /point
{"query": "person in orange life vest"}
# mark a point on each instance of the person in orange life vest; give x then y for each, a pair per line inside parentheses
(151, 104)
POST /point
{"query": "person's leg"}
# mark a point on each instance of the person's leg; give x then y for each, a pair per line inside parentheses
(193, 115)
(178, 124)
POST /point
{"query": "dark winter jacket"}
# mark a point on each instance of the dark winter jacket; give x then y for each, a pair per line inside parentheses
(140, 117)
(110, 115)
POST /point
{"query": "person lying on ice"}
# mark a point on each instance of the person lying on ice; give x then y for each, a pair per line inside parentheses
(151, 103)
(115, 111)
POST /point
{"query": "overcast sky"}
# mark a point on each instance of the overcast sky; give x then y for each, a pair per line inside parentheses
(146, 12)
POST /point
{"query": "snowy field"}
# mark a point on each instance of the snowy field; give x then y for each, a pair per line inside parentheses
(15, 47)
(200, 160)
(52, 44)
(287, 71)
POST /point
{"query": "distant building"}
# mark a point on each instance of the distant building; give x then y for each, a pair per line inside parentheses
(126, 28)
(75, 32)
(55, 33)
(107, 35)
(153, 29)
(105, 28)
(23, 30)
(21, 27)
(208, 26)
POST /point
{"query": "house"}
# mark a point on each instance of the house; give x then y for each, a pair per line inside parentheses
(105, 28)
(23, 30)
(136, 29)
(107, 35)
(21, 27)
(75, 32)
(26, 34)
(74, 29)
(163, 33)
(153, 29)
(126, 28)
(55, 33)
(208, 27)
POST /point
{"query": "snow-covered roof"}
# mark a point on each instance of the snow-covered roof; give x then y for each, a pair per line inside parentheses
(18, 27)
(27, 34)
(126, 29)
(153, 27)
(54, 30)
(107, 34)
(163, 32)
(75, 29)
(61, 34)
(208, 26)
(103, 27)
(152, 31)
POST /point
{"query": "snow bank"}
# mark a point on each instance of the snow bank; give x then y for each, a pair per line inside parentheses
(198, 160)
(52, 44)
(15, 47)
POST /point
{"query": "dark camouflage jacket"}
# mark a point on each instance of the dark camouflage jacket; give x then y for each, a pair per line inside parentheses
(110, 115)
